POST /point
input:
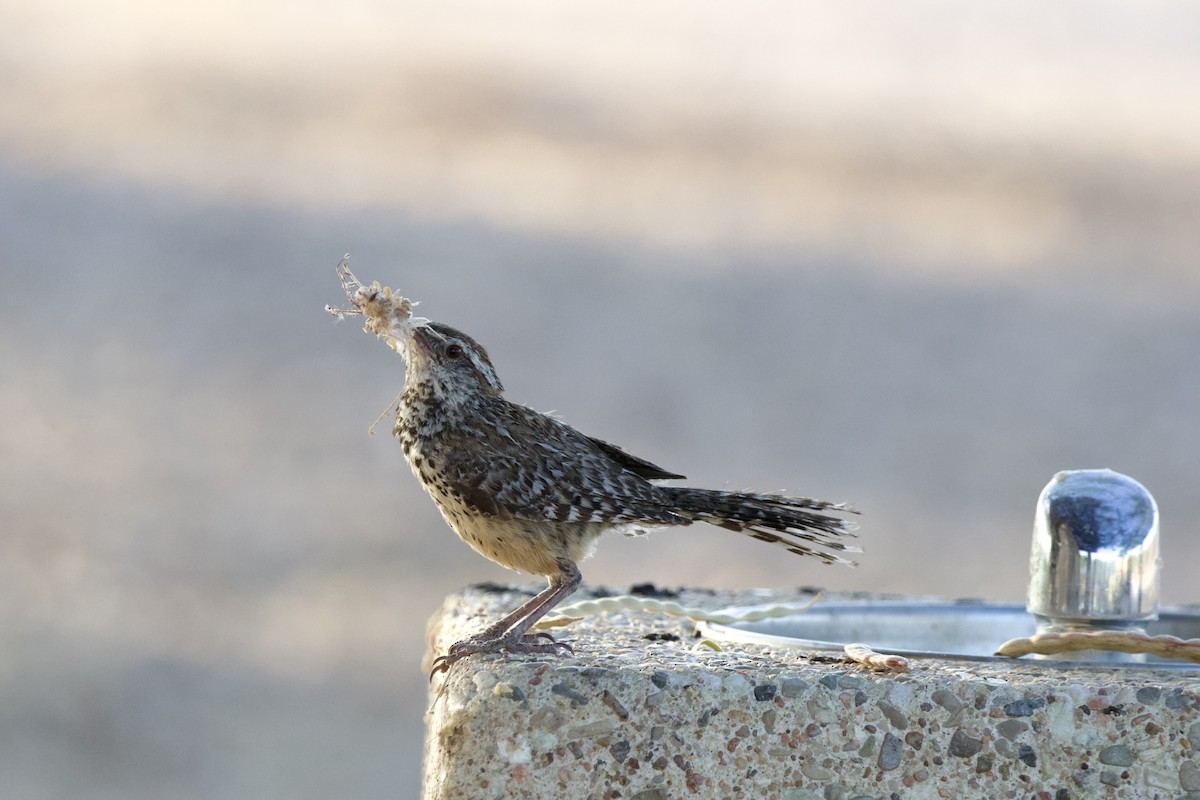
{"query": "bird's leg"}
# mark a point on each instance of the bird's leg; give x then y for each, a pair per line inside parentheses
(564, 584)
(509, 634)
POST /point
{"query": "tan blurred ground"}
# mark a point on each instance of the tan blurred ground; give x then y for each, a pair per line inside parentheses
(911, 255)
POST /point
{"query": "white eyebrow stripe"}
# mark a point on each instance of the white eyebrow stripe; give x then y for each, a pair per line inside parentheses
(483, 369)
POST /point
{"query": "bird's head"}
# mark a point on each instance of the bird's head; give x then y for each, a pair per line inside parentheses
(449, 361)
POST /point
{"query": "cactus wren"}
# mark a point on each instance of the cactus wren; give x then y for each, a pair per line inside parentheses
(534, 494)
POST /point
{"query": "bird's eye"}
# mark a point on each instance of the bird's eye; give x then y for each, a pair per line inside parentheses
(454, 351)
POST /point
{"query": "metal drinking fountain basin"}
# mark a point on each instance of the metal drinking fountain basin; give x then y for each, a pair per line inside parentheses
(1094, 565)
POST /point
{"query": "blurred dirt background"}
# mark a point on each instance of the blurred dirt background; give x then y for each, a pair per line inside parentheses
(918, 256)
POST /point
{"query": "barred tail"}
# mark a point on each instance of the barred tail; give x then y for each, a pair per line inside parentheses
(792, 522)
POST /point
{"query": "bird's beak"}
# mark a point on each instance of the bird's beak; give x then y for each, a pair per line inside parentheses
(423, 337)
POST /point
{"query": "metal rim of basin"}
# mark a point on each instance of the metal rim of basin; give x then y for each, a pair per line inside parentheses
(745, 633)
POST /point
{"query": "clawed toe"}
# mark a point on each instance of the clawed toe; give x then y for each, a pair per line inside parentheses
(563, 646)
(441, 664)
(540, 642)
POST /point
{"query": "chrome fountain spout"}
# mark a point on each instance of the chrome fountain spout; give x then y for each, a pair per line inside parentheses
(1095, 561)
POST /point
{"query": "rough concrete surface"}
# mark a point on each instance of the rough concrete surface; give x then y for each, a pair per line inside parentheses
(642, 710)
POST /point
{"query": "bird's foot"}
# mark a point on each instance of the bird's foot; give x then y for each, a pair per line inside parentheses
(540, 642)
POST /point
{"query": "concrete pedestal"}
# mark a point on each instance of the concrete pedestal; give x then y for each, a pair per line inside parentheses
(640, 711)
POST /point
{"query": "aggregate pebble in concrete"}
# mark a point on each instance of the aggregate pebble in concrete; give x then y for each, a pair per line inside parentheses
(661, 719)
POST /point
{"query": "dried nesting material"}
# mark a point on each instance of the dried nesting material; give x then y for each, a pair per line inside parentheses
(864, 655)
(388, 314)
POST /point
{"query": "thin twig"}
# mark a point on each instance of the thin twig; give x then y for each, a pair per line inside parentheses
(1046, 644)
